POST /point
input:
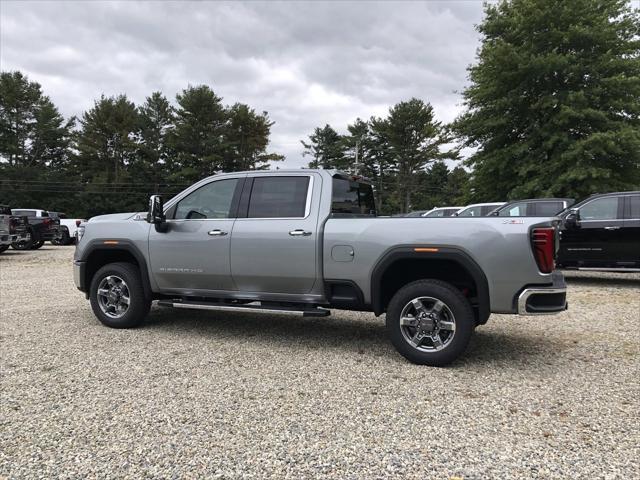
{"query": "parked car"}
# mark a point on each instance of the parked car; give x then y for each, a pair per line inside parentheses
(415, 213)
(298, 242)
(68, 228)
(478, 209)
(40, 229)
(602, 232)
(442, 212)
(12, 228)
(533, 207)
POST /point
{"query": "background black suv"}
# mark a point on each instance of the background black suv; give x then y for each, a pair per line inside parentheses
(602, 232)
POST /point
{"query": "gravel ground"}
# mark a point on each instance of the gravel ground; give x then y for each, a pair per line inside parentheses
(202, 394)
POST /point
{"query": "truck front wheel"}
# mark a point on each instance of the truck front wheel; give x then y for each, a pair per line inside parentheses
(117, 296)
(430, 322)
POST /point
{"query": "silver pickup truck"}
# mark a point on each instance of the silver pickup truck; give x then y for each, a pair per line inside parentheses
(299, 242)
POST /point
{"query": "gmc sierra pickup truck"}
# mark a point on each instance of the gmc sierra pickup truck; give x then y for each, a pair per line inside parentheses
(299, 242)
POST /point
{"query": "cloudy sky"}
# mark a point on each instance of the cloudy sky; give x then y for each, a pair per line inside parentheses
(306, 63)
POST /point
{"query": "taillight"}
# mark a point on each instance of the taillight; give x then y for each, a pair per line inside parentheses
(78, 222)
(544, 248)
(13, 224)
(46, 221)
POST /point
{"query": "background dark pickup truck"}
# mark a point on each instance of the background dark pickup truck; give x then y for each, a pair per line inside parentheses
(40, 229)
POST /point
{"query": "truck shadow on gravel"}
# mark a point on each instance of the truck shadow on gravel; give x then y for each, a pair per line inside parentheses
(366, 335)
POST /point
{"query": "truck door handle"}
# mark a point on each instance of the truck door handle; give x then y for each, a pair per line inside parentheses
(217, 233)
(612, 228)
(299, 233)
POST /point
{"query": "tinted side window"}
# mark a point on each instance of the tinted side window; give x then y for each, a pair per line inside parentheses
(350, 197)
(548, 209)
(635, 207)
(472, 212)
(515, 210)
(437, 213)
(600, 209)
(278, 197)
(24, 213)
(212, 200)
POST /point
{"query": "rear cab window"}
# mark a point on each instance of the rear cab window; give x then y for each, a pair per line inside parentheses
(350, 197)
(548, 209)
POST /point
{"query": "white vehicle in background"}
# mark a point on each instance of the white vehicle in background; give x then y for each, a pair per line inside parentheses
(479, 209)
(69, 227)
(442, 212)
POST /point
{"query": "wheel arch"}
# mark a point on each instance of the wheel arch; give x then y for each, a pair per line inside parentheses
(402, 265)
(98, 253)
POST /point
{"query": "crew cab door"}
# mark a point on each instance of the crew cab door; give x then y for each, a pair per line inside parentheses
(275, 237)
(598, 239)
(192, 255)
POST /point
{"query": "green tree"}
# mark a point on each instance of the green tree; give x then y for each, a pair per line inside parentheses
(156, 122)
(457, 189)
(414, 139)
(198, 137)
(107, 142)
(327, 148)
(376, 162)
(32, 130)
(553, 107)
(246, 140)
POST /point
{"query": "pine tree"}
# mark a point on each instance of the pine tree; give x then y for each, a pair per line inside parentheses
(246, 140)
(198, 136)
(553, 107)
(327, 147)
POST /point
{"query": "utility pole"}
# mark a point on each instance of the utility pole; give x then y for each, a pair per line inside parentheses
(356, 164)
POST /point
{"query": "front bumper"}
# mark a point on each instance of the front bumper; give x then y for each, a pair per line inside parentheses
(78, 275)
(544, 300)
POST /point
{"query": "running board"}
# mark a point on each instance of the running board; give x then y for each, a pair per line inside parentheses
(610, 269)
(303, 312)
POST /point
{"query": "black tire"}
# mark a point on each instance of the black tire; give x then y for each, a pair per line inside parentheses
(25, 244)
(457, 304)
(64, 239)
(3, 248)
(138, 304)
(37, 245)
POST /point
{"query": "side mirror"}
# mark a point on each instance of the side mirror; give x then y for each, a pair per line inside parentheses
(572, 220)
(155, 214)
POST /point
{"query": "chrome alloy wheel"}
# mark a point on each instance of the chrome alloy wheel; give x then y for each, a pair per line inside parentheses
(427, 324)
(113, 296)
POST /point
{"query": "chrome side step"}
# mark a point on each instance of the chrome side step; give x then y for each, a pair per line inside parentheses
(251, 307)
(611, 269)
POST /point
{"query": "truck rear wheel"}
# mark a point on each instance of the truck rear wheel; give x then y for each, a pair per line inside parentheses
(430, 322)
(117, 296)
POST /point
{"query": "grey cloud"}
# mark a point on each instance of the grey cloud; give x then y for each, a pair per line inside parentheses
(307, 64)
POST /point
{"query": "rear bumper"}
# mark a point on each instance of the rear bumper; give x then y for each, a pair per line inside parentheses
(51, 234)
(544, 300)
(6, 239)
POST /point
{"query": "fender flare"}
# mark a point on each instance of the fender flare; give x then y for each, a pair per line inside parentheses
(122, 245)
(434, 253)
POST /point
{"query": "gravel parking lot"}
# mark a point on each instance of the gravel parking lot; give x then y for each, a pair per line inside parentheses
(203, 394)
